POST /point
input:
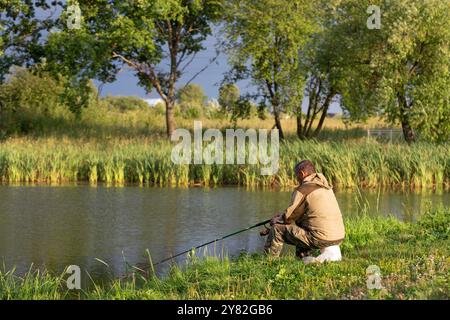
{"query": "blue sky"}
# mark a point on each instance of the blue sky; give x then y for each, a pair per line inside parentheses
(126, 83)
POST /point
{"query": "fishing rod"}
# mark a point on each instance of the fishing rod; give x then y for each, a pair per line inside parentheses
(212, 241)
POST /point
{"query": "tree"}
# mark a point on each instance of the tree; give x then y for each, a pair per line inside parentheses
(22, 32)
(31, 102)
(126, 103)
(141, 35)
(401, 70)
(237, 106)
(192, 100)
(229, 95)
(264, 39)
(192, 94)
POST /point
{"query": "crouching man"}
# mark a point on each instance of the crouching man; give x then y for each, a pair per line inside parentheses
(313, 219)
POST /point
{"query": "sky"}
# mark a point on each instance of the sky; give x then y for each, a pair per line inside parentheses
(210, 79)
(126, 83)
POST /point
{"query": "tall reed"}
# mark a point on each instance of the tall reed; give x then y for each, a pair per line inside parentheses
(148, 162)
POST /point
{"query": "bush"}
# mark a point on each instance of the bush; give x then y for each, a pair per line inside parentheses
(191, 111)
(160, 108)
(192, 94)
(31, 102)
(435, 224)
(125, 103)
(191, 100)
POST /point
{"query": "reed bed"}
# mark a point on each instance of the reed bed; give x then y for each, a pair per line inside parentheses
(148, 162)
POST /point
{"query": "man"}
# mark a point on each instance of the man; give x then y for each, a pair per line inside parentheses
(313, 219)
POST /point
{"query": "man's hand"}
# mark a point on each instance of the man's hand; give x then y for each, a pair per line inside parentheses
(277, 219)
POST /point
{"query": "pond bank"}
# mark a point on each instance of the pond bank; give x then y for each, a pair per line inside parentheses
(413, 260)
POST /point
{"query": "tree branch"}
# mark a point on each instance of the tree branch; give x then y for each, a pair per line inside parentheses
(203, 69)
(146, 70)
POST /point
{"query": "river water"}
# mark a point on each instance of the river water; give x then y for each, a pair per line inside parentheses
(57, 226)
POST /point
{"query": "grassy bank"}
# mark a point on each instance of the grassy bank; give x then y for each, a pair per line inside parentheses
(413, 259)
(147, 161)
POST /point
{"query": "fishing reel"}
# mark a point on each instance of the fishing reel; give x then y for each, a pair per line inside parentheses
(264, 232)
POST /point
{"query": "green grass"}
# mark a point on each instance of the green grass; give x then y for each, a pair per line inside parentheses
(413, 258)
(147, 161)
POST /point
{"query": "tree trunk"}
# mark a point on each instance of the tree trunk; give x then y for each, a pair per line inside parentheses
(321, 121)
(408, 132)
(174, 29)
(170, 117)
(1, 117)
(278, 123)
(299, 124)
(273, 91)
(325, 108)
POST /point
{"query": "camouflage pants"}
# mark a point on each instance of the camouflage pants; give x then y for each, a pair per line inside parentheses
(292, 234)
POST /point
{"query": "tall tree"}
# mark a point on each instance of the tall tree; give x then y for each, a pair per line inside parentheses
(401, 70)
(264, 39)
(319, 65)
(143, 35)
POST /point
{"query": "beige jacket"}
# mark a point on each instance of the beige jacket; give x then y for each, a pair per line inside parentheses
(319, 212)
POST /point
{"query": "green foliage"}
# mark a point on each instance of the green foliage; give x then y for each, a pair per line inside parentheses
(233, 104)
(267, 34)
(125, 103)
(191, 101)
(78, 95)
(135, 34)
(23, 26)
(31, 102)
(192, 94)
(242, 109)
(435, 225)
(401, 70)
(263, 40)
(350, 165)
(287, 48)
(229, 95)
